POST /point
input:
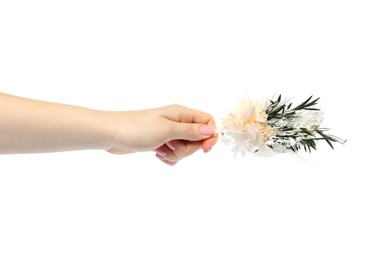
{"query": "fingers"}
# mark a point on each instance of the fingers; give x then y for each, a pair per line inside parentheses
(181, 150)
(191, 131)
(171, 145)
(209, 143)
(183, 114)
(188, 124)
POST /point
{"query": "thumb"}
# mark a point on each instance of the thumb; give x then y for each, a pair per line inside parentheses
(192, 132)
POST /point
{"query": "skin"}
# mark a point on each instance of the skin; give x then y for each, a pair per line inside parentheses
(173, 132)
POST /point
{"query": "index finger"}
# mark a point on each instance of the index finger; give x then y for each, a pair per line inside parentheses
(183, 114)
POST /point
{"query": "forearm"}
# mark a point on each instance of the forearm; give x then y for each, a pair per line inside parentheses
(28, 126)
(173, 132)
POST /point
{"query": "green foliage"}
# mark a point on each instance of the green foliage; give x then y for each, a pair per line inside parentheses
(279, 111)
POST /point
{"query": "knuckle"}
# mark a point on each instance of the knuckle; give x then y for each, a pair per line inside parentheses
(175, 107)
(182, 151)
(192, 132)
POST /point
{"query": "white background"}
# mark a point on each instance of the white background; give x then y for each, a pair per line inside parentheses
(123, 55)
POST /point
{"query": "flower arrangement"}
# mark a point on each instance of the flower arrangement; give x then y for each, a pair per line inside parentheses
(266, 127)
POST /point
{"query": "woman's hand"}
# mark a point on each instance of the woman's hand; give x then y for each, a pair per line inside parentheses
(32, 126)
(174, 132)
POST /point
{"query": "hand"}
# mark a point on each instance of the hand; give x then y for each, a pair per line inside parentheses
(33, 126)
(174, 132)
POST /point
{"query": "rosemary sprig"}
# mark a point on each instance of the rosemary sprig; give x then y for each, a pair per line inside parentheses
(282, 117)
(278, 110)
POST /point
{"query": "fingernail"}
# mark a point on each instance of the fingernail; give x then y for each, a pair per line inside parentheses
(161, 153)
(171, 146)
(160, 157)
(207, 130)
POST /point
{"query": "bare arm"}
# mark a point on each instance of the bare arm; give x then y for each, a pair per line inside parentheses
(174, 132)
(28, 126)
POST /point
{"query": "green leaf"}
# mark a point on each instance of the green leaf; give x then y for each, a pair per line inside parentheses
(325, 136)
(311, 108)
(302, 104)
(277, 110)
(330, 144)
(307, 131)
(289, 114)
(314, 102)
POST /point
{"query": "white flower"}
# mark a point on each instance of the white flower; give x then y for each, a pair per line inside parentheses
(244, 126)
(247, 110)
(309, 119)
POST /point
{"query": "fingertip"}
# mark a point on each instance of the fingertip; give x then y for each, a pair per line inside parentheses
(207, 130)
(208, 144)
(160, 151)
(206, 148)
(160, 157)
(171, 145)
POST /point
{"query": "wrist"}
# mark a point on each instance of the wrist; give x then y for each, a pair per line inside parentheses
(116, 132)
(103, 129)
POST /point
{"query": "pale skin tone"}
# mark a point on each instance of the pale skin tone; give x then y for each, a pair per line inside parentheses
(172, 132)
